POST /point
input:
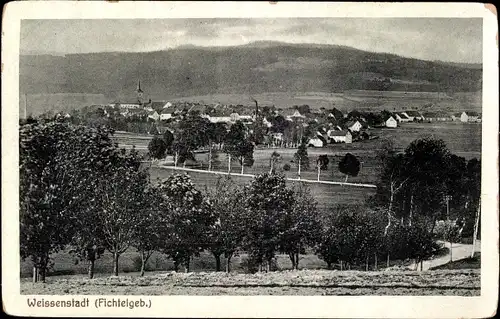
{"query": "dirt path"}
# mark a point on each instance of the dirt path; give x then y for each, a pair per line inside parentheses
(459, 251)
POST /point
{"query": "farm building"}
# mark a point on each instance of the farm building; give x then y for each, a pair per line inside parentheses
(354, 126)
(456, 116)
(292, 114)
(315, 142)
(128, 105)
(401, 117)
(167, 113)
(469, 117)
(221, 116)
(414, 115)
(154, 115)
(391, 122)
(343, 136)
(436, 116)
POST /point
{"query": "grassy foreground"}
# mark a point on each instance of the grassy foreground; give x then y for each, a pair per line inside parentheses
(465, 282)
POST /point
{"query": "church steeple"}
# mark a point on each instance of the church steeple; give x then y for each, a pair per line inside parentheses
(140, 92)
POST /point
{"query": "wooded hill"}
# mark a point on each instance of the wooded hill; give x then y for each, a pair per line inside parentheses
(254, 68)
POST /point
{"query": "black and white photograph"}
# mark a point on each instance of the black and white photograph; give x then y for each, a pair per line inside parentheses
(213, 155)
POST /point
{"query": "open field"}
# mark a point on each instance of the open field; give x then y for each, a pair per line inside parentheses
(305, 282)
(463, 139)
(327, 196)
(350, 100)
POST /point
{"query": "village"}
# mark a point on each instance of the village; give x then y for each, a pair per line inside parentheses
(284, 127)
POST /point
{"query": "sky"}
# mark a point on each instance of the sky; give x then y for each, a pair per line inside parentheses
(445, 39)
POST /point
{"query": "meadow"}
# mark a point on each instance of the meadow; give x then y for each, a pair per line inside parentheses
(302, 282)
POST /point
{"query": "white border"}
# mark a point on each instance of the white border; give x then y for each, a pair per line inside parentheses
(254, 306)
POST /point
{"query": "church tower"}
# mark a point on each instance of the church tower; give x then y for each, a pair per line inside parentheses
(140, 92)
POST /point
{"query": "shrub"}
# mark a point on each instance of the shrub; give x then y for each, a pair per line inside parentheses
(286, 167)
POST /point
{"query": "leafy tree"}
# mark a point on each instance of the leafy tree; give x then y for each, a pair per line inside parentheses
(157, 147)
(349, 165)
(60, 166)
(238, 146)
(191, 134)
(151, 225)
(117, 199)
(322, 163)
(190, 220)
(227, 235)
(448, 230)
(273, 161)
(279, 124)
(268, 201)
(301, 158)
(300, 224)
(168, 138)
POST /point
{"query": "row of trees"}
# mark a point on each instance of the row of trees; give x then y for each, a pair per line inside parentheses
(79, 191)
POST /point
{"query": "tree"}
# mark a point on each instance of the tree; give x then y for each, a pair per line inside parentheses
(349, 165)
(118, 197)
(267, 202)
(60, 167)
(227, 235)
(300, 224)
(273, 161)
(191, 134)
(322, 163)
(168, 138)
(238, 146)
(157, 147)
(279, 124)
(474, 187)
(151, 225)
(301, 158)
(189, 220)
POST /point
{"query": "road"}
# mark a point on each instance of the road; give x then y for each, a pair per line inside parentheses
(459, 251)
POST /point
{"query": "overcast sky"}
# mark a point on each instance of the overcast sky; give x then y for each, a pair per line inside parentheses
(446, 39)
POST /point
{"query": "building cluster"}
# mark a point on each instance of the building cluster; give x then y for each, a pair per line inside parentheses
(332, 126)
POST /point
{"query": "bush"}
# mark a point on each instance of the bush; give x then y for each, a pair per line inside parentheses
(286, 167)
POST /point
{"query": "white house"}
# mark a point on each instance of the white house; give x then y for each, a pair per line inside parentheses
(469, 117)
(220, 117)
(315, 142)
(166, 113)
(340, 136)
(391, 122)
(414, 115)
(129, 106)
(436, 116)
(354, 126)
(153, 115)
(292, 114)
(168, 104)
(402, 117)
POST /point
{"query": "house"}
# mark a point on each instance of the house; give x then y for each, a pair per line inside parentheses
(436, 116)
(315, 142)
(469, 117)
(292, 114)
(129, 105)
(154, 115)
(220, 116)
(167, 113)
(354, 126)
(391, 122)
(267, 123)
(197, 108)
(456, 116)
(414, 115)
(343, 136)
(401, 117)
(137, 113)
